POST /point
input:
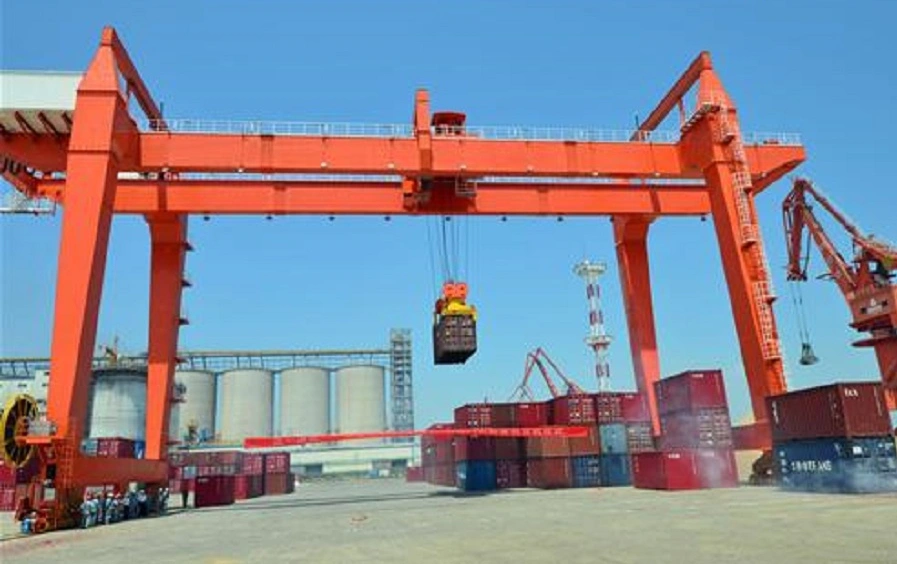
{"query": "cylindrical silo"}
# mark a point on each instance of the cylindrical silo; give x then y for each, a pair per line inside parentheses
(197, 412)
(305, 401)
(360, 401)
(117, 404)
(247, 397)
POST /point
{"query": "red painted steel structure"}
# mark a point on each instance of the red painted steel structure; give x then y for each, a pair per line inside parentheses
(715, 174)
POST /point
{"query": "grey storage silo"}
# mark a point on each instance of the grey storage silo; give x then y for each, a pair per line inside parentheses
(117, 403)
(360, 399)
(247, 397)
(305, 401)
(198, 408)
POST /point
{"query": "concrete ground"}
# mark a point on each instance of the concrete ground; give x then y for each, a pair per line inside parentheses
(391, 521)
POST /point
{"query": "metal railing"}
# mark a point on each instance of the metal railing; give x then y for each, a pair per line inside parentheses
(406, 131)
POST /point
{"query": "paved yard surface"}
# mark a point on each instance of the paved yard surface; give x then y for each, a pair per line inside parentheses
(391, 521)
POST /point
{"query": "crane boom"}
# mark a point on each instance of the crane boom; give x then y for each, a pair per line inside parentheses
(865, 280)
(534, 359)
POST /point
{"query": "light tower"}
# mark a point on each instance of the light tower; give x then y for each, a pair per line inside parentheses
(598, 340)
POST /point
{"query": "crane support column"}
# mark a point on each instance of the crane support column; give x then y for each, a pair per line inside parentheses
(168, 234)
(91, 175)
(631, 240)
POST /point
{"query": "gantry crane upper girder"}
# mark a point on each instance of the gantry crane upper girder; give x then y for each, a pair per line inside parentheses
(634, 181)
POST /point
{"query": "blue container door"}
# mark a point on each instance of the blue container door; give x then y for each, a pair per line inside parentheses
(613, 438)
(475, 475)
(586, 471)
(139, 449)
(837, 465)
(615, 470)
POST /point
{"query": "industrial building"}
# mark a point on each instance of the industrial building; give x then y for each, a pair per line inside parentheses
(223, 397)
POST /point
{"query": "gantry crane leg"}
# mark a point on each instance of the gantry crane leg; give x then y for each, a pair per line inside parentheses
(168, 234)
(91, 176)
(746, 279)
(631, 240)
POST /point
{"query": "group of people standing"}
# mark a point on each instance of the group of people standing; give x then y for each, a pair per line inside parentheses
(100, 509)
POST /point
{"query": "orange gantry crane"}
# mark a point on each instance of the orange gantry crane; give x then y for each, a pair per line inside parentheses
(100, 161)
(865, 280)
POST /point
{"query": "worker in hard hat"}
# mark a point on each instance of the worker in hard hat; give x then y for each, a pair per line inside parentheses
(108, 512)
(85, 511)
(185, 492)
(142, 504)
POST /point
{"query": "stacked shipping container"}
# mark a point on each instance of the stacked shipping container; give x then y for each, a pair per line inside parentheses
(833, 438)
(246, 475)
(618, 423)
(696, 436)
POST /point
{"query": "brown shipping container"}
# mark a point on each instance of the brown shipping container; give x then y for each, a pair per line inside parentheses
(691, 390)
(547, 447)
(548, 473)
(485, 415)
(585, 446)
(531, 414)
(639, 438)
(510, 474)
(474, 448)
(509, 448)
(608, 407)
(854, 409)
(634, 408)
(703, 428)
(454, 339)
(214, 490)
(576, 409)
(276, 484)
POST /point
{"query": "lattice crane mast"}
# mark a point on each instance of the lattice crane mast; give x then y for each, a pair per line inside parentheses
(865, 280)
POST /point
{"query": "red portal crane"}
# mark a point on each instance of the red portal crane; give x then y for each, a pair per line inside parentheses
(99, 162)
(865, 280)
(537, 359)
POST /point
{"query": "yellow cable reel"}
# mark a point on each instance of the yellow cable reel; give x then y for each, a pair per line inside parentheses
(18, 413)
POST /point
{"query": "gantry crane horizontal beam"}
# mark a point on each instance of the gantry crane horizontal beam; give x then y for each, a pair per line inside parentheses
(451, 157)
(386, 198)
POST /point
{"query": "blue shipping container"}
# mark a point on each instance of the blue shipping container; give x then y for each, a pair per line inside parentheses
(475, 475)
(615, 470)
(586, 471)
(866, 465)
(139, 449)
(613, 438)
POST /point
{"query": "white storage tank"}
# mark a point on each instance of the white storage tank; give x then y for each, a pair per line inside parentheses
(117, 404)
(360, 400)
(247, 397)
(198, 408)
(305, 401)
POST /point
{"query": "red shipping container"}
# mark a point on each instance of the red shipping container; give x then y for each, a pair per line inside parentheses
(276, 484)
(213, 490)
(640, 437)
(474, 448)
(634, 408)
(7, 498)
(252, 464)
(474, 415)
(531, 414)
(608, 407)
(7, 475)
(228, 458)
(548, 473)
(547, 447)
(175, 472)
(174, 486)
(510, 474)
(694, 389)
(414, 474)
(115, 448)
(241, 486)
(277, 462)
(573, 410)
(673, 470)
(702, 428)
(855, 409)
(190, 484)
(716, 468)
(586, 446)
(509, 448)
(216, 471)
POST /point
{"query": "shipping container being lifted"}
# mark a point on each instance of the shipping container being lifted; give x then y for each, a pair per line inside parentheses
(95, 159)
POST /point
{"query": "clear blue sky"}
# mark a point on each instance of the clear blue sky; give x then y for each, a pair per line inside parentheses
(824, 69)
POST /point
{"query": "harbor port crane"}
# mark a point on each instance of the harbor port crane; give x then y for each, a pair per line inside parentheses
(866, 279)
(537, 359)
(93, 152)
